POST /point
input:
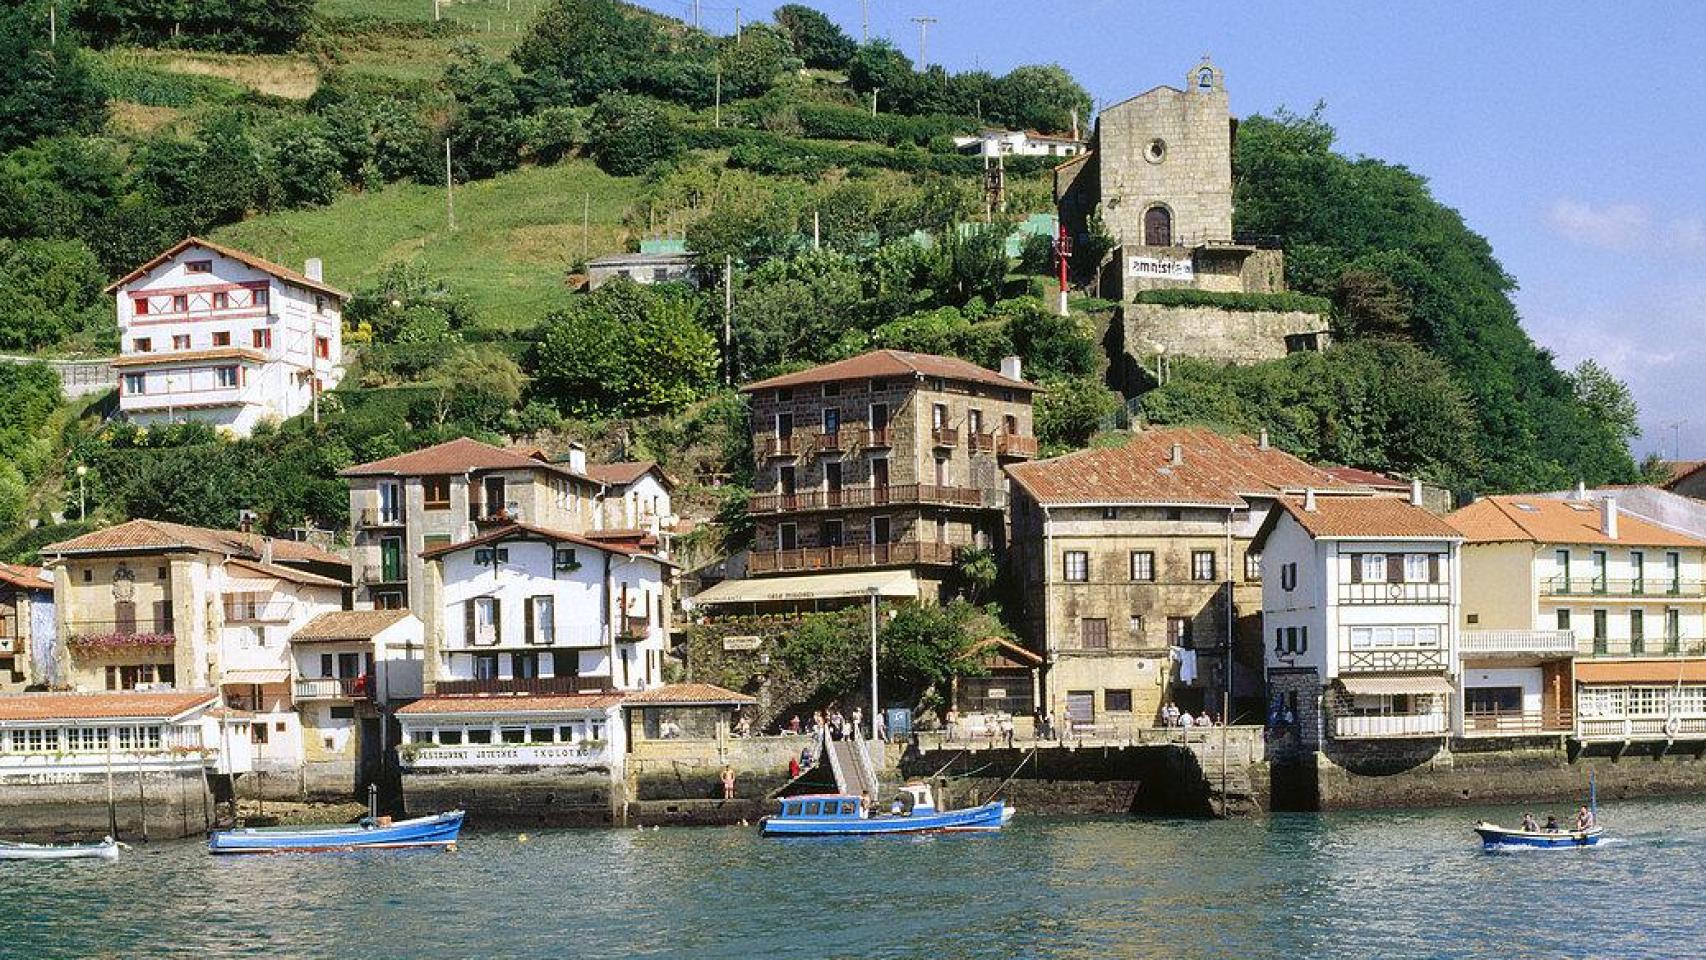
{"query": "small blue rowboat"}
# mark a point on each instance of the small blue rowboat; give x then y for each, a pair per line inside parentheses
(440, 830)
(838, 815)
(1493, 835)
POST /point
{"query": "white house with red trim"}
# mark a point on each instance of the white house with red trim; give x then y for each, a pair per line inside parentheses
(215, 334)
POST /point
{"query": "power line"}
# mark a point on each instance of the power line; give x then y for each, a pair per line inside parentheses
(923, 40)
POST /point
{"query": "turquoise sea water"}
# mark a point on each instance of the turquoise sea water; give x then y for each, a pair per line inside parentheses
(1410, 884)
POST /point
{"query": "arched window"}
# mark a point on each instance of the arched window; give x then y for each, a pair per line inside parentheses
(1205, 78)
(1157, 227)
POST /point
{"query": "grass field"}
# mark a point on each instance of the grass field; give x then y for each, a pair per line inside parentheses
(517, 236)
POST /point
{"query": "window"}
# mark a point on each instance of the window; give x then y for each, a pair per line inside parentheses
(784, 395)
(1116, 701)
(221, 300)
(1076, 566)
(1673, 572)
(542, 620)
(787, 536)
(1110, 513)
(1202, 565)
(198, 266)
(1637, 631)
(222, 338)
(323, 347)
(1143, 565)
(479, 736)
(832, 388)
(1252, 566)
(141, 306)
(180, 341)
(261, 339)
(1093, 633)
(225, 376)
(1600, 562)
(1157, 227)
(180, 303)
(485, 666)
(482, 622)
(1563, 560)
(261, 297)
(488, 556)
(1600, 631)
(524, 666)
(1416, 567)
(135, 384)
(435, 492)
(258, 733)
(1673, 628)
(1288, 576)
(1563, 619)
(1369, 568)
(831, 421)
(144, 345)
(565, 558)
(1134, 626)
(1638, 571)
(1179, 631)
(1492, 700)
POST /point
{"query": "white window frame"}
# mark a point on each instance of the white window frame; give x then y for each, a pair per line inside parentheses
(1373, 567)
(1416, 568)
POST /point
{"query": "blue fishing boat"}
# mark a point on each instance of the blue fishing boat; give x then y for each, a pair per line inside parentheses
(1492, 835)
(440, 830)
(835, 815)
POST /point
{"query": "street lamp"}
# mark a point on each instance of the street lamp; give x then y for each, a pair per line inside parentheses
(873, 592)
(82, 491)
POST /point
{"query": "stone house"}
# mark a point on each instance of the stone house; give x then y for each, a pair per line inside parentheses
(1575, 603)
(1360, 598)
(636, 497)
(1137, 574)
(207, 332)
(885, 461)
(28, 642)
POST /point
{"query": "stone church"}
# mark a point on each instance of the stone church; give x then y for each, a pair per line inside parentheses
(1159, 175)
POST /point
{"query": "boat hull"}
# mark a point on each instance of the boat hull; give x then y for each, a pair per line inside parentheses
(441, 830)
(107, 850)
(1493, 835)
(989, 816)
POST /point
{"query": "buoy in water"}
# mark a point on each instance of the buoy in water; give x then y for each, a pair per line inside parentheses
(521, 839)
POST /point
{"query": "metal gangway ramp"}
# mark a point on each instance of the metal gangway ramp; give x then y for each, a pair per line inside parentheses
(855, 774)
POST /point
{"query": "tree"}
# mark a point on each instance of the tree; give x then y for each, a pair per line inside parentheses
(476, 386)
(404, 294)
(879, 66)
(815, 38)
(625, 349)
(1607, 398)
(484, 127)
(1070, 411)
(44, 90)
(49, 290)
(925, 645)
(304, 163)
(628, 134)
(580, 50)
(795, 309)
(1039, 98)
(970, 262)
(751, 62)
(234, 26)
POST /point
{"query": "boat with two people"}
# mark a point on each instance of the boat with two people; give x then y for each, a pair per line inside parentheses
(107, 849)
(369, 833)
(913, 811)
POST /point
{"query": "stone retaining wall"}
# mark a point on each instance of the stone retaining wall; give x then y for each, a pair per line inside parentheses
(174, 804)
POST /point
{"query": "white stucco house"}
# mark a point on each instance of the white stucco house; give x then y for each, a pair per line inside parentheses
(1359, 613)
(210, 333)
(525, 609)
(1021, 143)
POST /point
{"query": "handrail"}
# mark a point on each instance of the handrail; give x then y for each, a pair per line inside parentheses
(883, 496)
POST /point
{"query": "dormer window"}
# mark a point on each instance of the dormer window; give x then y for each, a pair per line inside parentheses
(198, 266)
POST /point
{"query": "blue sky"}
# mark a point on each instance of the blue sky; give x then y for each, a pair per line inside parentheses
(1572, 135)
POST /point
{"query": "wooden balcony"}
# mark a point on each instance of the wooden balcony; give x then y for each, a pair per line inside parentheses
(374, 518)
(808, 559)
(634, 628)
(1394, 593)
(980, 442)
(1642, 728)
(945, 437)
(825, 443)
(774, 446)
(876, 439)
(333, 688)
(452, 688)
(1015, 447)
(1503, 723)
(1426, 659)
(852, 498)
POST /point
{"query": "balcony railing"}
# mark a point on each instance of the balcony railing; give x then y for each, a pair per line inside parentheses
(117, 636)
(829, 442)
(876, 438)
(635, 628)
(451, 688)
(1492, 723)
(507, 512)
(980, 442)
(1015, 446)
(926, 494)
(858, 555)
(372, 517)
(271, 611)
(1380, 661)
(1602, 587)
(1358, 727)
(333, 688)
(944, 437)
(1641, 728)
(1660, 646)
(1517, 643)
(774, 446)
(380, 577)
(1383, 593)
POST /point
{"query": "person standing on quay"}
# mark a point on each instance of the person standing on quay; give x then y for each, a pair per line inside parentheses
(728, 782)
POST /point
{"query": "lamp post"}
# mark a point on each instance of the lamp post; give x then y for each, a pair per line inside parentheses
(873, 592)
(82, 491)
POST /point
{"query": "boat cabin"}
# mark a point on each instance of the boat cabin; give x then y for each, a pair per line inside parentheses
(914, 798)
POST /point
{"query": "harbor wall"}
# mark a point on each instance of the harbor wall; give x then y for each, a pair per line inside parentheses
(159, 804)
(1479, 772)
(517, 797)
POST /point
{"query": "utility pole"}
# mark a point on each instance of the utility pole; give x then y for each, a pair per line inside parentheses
(53, 24)
(1063, 254)
(728, 319)
(586, 224)
(817, 243)
(865, 21)
(436, 15)
(449, 190)
(923, 40)
(874, 708)
(874, 100)
(695, 14)
(717, 117)
(737, 24)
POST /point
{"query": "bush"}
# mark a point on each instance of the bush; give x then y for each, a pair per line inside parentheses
(1222, 300)
(629, 134)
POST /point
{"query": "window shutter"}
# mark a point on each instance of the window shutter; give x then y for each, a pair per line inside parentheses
(497, 620)
(1433, 568)
(527, 621)
(468, 623)
(1394, 568)
(1356, 568)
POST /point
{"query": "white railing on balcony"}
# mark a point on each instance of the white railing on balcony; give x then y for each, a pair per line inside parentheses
(1641, 728)
(509, 755)
(1556, 642)
(1394, 592)
(1390, 725)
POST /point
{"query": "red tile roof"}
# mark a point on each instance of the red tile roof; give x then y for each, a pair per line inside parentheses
(516, 531)
(462, 455)
(27, 578)
(288, 573)
(622, 474)
(348, 625)
(189, 356)
(500, 703)
(892, 363)
(1215, 471)
(23, 707)
(687, 694)
(1367, 517)
(1368, 478)
(1517, 518)
(241, 256)
(1678, 470)
(134, 535)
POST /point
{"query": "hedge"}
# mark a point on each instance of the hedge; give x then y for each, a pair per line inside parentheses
(770, 153)
(132, 83)
(1264, 302)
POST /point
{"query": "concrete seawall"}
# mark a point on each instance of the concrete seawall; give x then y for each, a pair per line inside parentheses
(161, 805)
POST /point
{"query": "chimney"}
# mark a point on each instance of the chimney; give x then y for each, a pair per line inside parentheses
(1608, 517)
(1581, 490)
(1416, 491)
(1262, 441)
(266, 550)
(1012, 368)
(1178, 458)
(313, 269)
(577, 457)
(1309, 500)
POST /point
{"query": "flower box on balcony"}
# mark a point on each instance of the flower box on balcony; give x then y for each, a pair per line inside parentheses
(120, 641)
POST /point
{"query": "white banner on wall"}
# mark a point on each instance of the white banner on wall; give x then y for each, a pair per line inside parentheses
(1162, 268)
